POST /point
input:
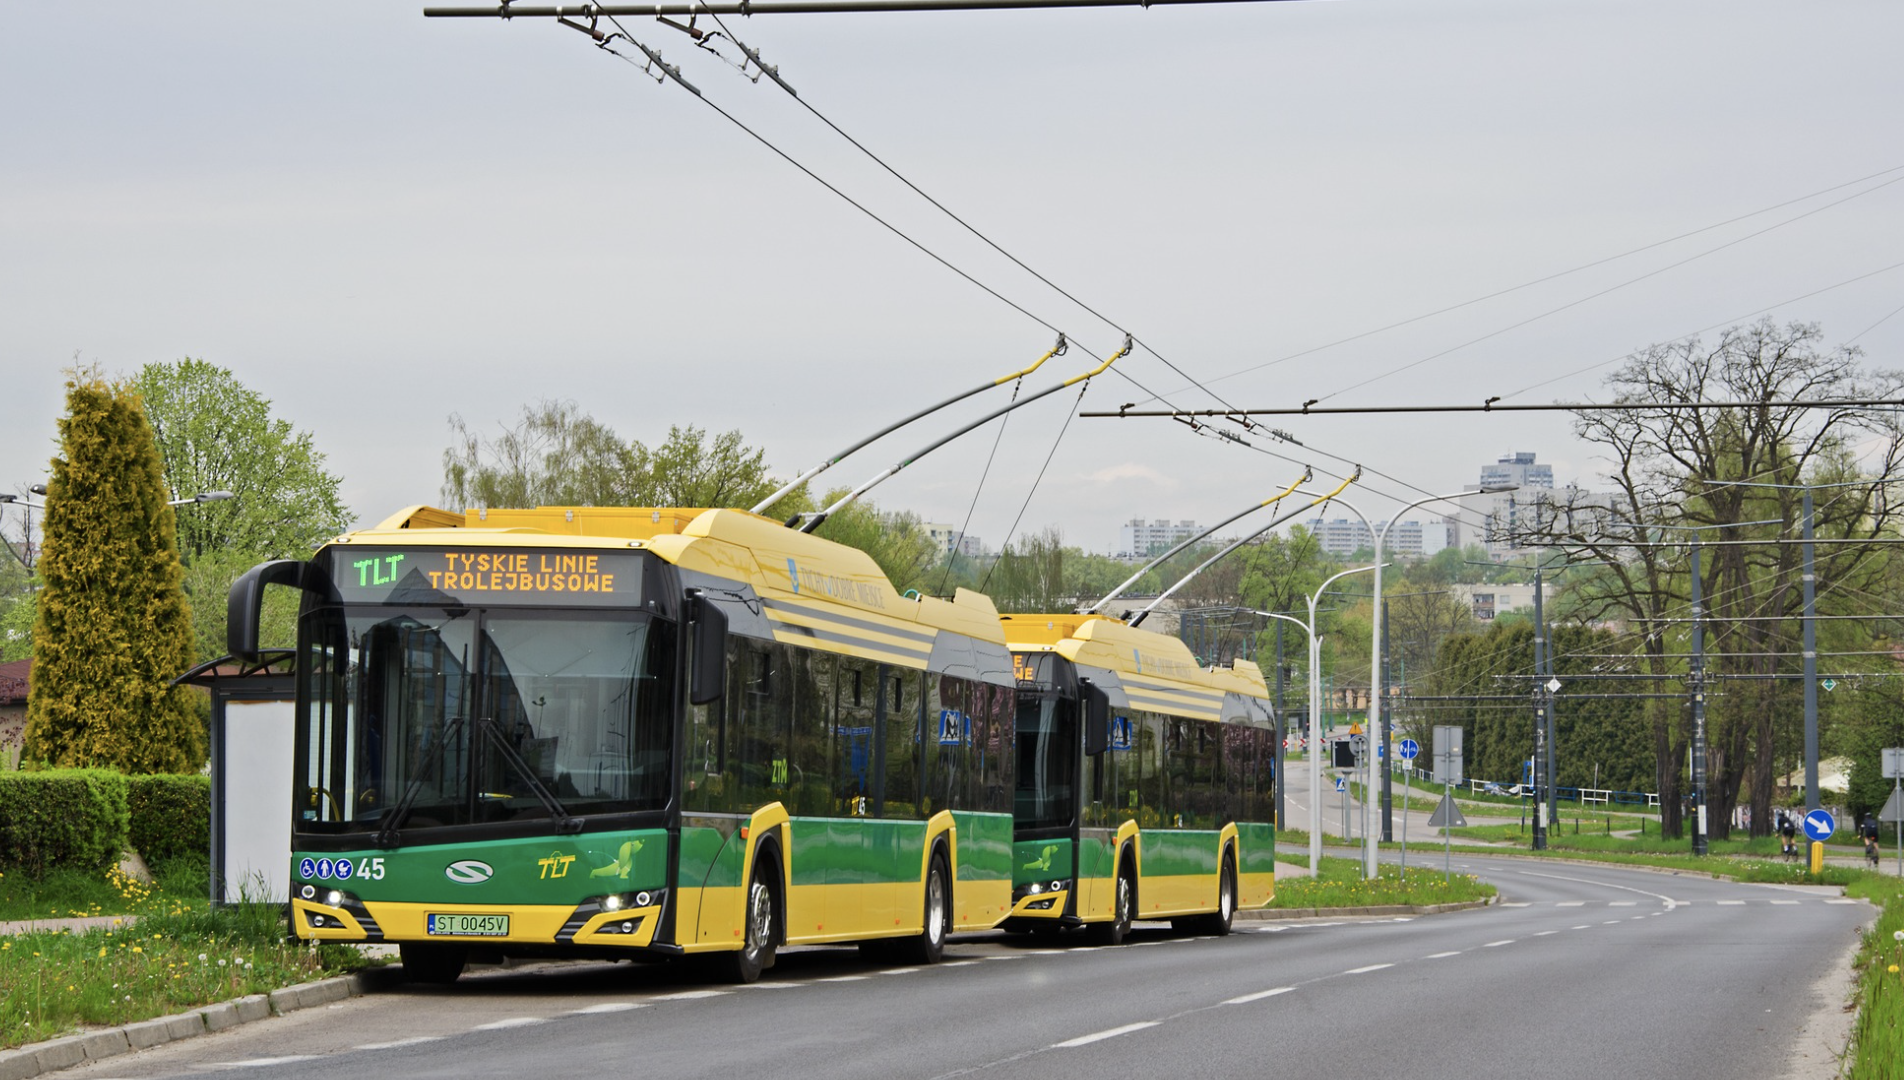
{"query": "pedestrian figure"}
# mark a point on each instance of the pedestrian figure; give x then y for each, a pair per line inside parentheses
(1868, 832)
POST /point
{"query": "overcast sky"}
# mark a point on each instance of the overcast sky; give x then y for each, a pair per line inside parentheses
(377, 220)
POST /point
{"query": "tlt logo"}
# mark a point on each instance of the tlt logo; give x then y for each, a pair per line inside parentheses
(555, 866)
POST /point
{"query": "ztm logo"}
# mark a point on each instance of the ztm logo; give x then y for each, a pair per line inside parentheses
(468, 872)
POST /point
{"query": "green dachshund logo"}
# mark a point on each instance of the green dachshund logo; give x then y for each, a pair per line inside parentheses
(1045, 862)
(622, 866)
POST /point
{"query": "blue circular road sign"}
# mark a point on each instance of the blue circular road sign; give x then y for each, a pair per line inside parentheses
(1409, 748)
(1819, 825)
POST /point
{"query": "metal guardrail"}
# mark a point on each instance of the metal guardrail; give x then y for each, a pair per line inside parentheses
(1583, 796)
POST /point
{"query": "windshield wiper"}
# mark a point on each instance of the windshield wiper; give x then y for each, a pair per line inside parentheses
(387, 835)
(565, 822)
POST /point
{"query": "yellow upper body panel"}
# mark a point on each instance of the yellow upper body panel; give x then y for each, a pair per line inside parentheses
(1141, 658)
(794, 570)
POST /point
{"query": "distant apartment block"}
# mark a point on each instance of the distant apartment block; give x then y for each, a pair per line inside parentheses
(1405, 539)
(1507, 517)
(948, 539)
(1137, 538)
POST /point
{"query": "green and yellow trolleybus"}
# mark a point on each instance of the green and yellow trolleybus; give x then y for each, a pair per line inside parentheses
(1144, 781)
(636, 733)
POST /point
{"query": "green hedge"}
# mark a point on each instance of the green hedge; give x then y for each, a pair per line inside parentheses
(62, 817)
(171, 815)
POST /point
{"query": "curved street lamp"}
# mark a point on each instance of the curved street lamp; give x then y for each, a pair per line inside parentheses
(1315, 713)
(1376, 734)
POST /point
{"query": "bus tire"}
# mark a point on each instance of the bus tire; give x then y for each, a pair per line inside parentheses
(1123, 909)
(760, 933)
(1218, 923)
(428, 962)
(929, 946)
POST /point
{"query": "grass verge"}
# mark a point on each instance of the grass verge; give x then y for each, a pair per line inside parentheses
(1339, 883)
(171, 952)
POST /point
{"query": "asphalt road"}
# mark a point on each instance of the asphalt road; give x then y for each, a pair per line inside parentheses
(1582, 971)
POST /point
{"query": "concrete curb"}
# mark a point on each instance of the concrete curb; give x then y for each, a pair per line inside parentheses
(38, 1059)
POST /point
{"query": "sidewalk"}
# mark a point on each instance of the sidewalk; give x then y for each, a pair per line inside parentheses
(92, 922)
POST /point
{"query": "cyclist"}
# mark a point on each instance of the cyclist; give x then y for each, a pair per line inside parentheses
(1787, 834)
(1868, 832)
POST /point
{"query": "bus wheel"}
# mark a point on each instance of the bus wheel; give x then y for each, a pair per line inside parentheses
(1218, 924)
(1113, 932)
(429, 963)
(929, 946)
(756, 954)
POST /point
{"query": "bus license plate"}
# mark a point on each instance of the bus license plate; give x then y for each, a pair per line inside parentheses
(468, 925)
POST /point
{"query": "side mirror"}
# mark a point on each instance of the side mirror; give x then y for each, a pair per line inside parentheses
(247, 596)
(707, 675)
(1094, 705)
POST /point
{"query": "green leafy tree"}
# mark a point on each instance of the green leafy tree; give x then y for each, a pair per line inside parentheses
(215, 434)
(114, 627)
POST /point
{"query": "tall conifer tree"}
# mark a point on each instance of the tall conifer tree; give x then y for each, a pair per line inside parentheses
(113, 627)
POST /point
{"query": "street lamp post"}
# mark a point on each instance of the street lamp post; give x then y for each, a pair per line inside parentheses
(1313, 749)
(1378, 730)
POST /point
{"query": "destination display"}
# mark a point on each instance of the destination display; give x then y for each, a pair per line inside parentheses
(434, 576)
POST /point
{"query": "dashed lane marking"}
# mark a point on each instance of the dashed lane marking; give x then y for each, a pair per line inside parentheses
(413, 1041)
(1731, 903)
(1784, 903)
(1442, 955)
(1571, 903)
(1259, 995)
(843, 978)
(612, 1007)
(1366, 970)
(1544, 933)
(1112, 1033)
(693, 995)
(1498, 944)
(511, 1022)
(1582, 926)
(253, 1063)
(1623, 903)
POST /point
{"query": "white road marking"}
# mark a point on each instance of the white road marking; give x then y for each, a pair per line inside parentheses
(511, 1022)
(400, 1042)
(768, 986)
(1844, 901)
(1442, 955)
(1784, 903)
(1084, 1040)
(1544, 933)
(1516, 904)
(693, 995)
(1571, 903)
(1582, 926)
(611, 1007)
(1623, 903)
(843, 978)
(900, 971)
(1259, 995)
(253, 1063)
(959, 963)
(1498, 944)
(1669, 901)
(1366, 970)
(1013, 956)
(1732, 903)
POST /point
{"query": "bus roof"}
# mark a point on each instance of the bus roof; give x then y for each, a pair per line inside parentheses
(1139, 657)
(803, 579)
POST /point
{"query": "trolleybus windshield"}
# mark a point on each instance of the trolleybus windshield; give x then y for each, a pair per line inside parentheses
(417, 718)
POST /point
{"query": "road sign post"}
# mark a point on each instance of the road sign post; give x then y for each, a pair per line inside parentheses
(1819, 825)
(1407, 749)
(1894, 808)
